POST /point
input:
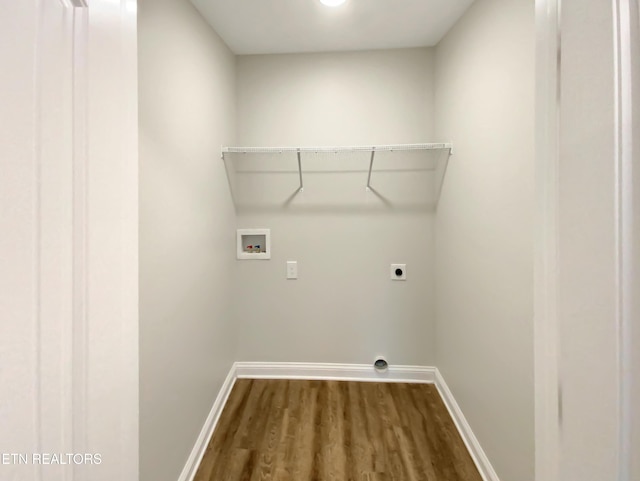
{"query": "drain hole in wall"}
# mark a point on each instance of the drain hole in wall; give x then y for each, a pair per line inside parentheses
(380, 364)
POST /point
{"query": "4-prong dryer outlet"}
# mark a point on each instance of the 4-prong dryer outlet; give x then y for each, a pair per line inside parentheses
(398, 272)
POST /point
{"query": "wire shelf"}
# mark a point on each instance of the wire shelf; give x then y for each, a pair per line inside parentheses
(338, 149)
(300, 153)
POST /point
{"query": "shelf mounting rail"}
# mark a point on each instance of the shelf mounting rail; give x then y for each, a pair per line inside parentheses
(337, 149)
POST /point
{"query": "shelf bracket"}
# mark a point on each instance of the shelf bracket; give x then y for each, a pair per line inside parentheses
(301, 189)
(373, 153)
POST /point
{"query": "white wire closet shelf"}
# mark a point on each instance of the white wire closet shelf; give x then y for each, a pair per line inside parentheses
(301, 152)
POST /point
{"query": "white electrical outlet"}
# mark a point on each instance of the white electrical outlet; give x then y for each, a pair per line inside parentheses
(292, 269)
(398, 272)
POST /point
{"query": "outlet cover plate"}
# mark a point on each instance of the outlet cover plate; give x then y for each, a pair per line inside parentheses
(394, 275)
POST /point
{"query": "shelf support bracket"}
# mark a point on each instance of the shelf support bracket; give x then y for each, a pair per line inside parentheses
(373, 153)
(301, 189)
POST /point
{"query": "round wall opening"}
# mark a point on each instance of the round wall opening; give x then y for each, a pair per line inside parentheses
(380, 364)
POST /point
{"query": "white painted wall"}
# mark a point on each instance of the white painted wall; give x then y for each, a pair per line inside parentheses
(484, 249)
(343, 307)
(187, 238)
(18, 284)
(634, 298)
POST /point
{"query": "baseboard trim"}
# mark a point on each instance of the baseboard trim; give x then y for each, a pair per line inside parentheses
(471, 442)
(199, 448)
(334, 372)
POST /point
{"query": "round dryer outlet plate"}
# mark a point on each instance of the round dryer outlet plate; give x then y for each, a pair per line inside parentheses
(398, 272)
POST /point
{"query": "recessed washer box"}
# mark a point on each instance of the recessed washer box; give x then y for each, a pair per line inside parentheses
(254, 244)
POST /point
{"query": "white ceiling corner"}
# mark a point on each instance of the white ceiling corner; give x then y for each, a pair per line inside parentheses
(291, 26)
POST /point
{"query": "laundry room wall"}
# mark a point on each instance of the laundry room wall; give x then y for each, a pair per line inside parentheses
(634, 342)
(484, 227)
(187, 221)
(343, 307)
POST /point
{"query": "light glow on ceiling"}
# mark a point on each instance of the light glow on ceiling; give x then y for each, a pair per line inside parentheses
(332, 3)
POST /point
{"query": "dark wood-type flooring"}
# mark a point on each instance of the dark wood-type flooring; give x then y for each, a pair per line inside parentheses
(334, 430)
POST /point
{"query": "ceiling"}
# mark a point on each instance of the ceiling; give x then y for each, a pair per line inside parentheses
(288, 26)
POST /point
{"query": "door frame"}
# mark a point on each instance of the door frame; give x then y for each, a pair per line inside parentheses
(549, 402)
(101, 358)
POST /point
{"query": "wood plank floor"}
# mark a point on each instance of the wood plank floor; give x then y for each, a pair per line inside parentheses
(334, 430)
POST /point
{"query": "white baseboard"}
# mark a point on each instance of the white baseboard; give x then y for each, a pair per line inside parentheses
(337, 372)
(191, 466)
(473, 446)
(333, 372)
